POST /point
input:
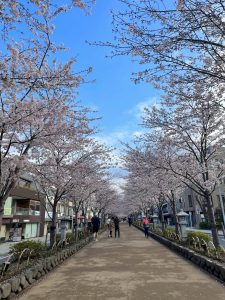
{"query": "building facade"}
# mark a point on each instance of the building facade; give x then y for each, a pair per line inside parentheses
(24, 213)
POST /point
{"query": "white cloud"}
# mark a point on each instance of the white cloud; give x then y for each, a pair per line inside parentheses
(118, 183)
(138, 110)
(113, 139)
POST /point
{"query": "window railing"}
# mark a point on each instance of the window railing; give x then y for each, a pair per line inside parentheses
(26, 212)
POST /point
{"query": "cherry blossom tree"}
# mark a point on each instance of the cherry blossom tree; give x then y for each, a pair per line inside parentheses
(171, 38)
(57, 179)
(190, 131)
(34, 86)
(90, 185)
(146, 181)
(66, 166)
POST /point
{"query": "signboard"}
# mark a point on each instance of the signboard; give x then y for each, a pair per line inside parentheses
(7, 211)
(48, 215)
(15, 220)
(8, 206)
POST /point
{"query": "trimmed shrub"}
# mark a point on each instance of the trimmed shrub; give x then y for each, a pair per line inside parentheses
(201, 235)
(70, 237)
(151, 226)
(37, 247)
(58, 237)
(204, 225)
(168, 232)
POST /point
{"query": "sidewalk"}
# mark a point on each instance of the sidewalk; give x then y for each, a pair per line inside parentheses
(128, 268)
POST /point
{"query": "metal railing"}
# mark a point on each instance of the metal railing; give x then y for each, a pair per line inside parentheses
(26, 212)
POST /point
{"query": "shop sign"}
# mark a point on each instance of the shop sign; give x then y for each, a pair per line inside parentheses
(15, 220)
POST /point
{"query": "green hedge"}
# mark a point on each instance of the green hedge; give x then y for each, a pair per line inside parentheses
(58, 237)
(70, 237)
(200, 235)
(204, 225)
(151, 226)
(37, 248)
(168, 231)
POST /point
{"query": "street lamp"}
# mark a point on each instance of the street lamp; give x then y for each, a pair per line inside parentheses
(182, 221)
(155, 219)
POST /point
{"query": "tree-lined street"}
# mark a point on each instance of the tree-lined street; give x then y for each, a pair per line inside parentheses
(83, 149)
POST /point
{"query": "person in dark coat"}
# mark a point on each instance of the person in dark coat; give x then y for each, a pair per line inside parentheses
(95, 226)
(117, 226)
(129, 220)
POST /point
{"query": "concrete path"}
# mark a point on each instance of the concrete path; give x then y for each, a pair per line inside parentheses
(129, 268)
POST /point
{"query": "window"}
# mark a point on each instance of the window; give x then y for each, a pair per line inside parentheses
(190, 201)
(24, 183)
(165, 209)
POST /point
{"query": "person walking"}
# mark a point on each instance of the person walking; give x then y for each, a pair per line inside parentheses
(95, 226)
(145, 225)
(109, 224)
(117, 226)
(129, 221)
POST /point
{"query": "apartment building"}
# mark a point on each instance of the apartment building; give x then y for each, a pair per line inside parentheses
(24, 213)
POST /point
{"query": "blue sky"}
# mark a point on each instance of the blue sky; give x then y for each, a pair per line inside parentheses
(117, 99)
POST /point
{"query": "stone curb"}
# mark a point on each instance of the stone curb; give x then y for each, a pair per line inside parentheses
(15, 285)
(212, 267)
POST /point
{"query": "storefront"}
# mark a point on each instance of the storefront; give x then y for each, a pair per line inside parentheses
(17, 229)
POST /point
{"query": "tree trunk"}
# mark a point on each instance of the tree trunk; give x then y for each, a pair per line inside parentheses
(53, 226)
(174, 209)
(161, 217)
(76, 227)
(175, 217)
(163, 224)
(211, 216)
(1, 210)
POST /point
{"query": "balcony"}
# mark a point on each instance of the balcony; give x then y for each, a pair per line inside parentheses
(26, 212)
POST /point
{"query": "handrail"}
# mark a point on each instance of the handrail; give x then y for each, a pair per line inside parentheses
(6, 264)
(21, 254)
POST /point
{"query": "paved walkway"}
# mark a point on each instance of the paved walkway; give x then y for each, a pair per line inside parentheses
(128, 268)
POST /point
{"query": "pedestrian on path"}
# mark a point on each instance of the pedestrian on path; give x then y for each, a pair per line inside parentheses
(95, 223)
(117, 226)
(145, 225)
(110, 225)
(130, 221)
